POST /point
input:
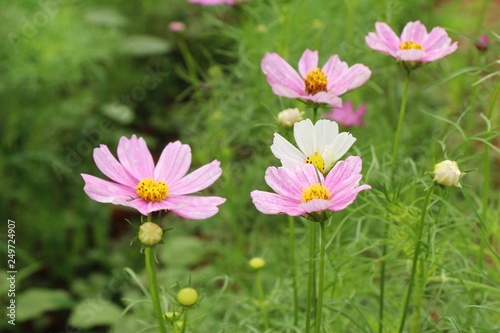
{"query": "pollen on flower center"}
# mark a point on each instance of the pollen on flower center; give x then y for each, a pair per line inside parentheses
(317, 160)
(409, 45)
(315, 191)
(151, 190)
(316, 81)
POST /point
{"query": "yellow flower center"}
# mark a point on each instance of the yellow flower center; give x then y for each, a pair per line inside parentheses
(151, 190)
(316, 81)
(315, 191)
(409, 45)
(317, 160)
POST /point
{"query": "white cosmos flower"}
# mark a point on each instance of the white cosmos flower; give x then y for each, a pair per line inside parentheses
(320, 144)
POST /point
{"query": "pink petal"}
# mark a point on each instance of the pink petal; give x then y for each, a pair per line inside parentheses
(271, 203)
(109, 166)
(385, 40)
(147, 207)
(342, 170)
(440, 53)
(308, 62)
(414, 31)
(332, 66)
(281, 181)
(351, 78)
(410, 55)
(135, 157)
(437, 38)
(173, 163)
(196, 207)
(278, 71)
(326, 98)
(315, 205)
(344, 199)
(281, 90)
(108, 192)
(197, 180)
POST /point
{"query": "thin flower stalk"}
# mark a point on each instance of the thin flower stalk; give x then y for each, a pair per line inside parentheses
(291, 228)
(153, 287)
(416, 253)
(321, 276)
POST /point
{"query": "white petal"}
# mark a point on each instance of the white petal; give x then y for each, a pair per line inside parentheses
(340, 146)
(326, 132)
(286, 152)
(305, 136)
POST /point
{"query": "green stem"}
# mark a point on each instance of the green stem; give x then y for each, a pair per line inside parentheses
(262, 304)
(291, 226)
(321, 276)
(419, 296)
(416, 253)
(382, 281)
(153, 287)
(185, 320)
(402, 111)
(311, 294)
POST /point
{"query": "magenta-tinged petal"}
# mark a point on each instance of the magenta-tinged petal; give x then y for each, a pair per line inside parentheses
(109, 166)
(308, 62)
(282, 181)
(278, 71)
(351, 78)
(343, 170)
(437, 38)
(315, 205)
(325, 97)
(197, 180)
(440, 53)
(342, 200)
(271, 203)
(388, 36)
(135, 157)
(196, 207)
(281, 90)
(147, 207)
(414, 31)
(105, 191)
(173, 163)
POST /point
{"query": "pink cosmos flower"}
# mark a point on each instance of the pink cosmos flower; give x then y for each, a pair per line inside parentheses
(301, 190)
(176, 26)
(314, 84)
(346, 115)
(414, 45)
(483, 42)
(138, 183)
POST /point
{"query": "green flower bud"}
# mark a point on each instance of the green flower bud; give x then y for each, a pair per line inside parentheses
(172, 315)
(150, 234)
(187, 296)
(257, 263)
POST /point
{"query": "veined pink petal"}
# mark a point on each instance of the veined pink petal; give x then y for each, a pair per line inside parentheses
(108, 192)
(109, 166)
(135, 157)
(410, 55)
(197, 180)
(332, 67)
(325, 97)
(342, 200)
(282, 182)
(174, 163)
(271, 203)
(308, 62)
(351, 78)
(436, 39)
(414, 31)
(388, 37)
(196, 207)
(281, 90)
(315, 205)
(278, 71)
(147, 207)
(439, 53)
(343, 170)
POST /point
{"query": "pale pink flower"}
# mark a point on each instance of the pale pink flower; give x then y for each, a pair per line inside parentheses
(311, 83)
(301, 190)
(176, 26)
(138, 183)
(482, 43)
(346, 115)
(414, 45)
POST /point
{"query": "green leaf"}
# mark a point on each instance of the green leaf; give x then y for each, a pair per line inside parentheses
(94, 312)
(143, 45)
(35, 301)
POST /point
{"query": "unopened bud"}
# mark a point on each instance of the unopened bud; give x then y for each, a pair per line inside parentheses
(187, 296)
(483, 42)
(287, 118)
(447, 173)
(257, 263)
(150, 234)
(172, 315)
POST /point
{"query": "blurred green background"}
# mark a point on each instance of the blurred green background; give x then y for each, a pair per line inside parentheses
(75, 74)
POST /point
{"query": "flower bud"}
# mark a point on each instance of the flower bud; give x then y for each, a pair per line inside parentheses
(257, 263)
(177, 26)
(446, 173)
(150, 234)
(287, 118)
(187, 296)
(483, 42)
(172, 315)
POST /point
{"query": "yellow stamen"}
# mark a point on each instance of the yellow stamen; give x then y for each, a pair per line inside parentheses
(151, 190)
(317, 160)
(316, 81)
(409, 45)
(315, 191)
